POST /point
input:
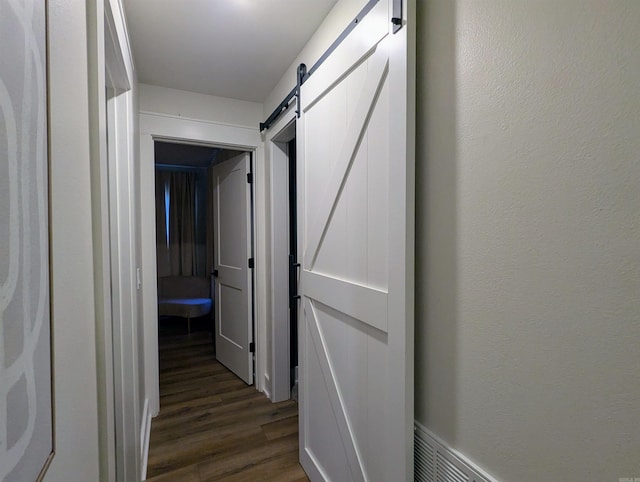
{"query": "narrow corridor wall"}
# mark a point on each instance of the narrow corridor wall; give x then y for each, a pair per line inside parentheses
(528, 235)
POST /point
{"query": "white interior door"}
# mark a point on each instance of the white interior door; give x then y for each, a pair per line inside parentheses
(355, 195)
(232, 229)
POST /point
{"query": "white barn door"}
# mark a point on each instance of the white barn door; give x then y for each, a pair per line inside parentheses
(356, 196)
(232, 299)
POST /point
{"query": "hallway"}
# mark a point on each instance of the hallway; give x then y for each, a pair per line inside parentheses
(212, 426)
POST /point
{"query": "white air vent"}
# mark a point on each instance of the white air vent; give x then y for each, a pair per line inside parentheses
(446, 471)
(434, 462)
(424, 457)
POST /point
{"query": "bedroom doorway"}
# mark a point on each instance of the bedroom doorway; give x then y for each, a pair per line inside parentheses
(201, 192)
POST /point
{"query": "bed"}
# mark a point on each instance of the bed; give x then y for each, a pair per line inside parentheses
(184, 296)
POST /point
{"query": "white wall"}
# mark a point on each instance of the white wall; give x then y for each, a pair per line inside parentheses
(72, 255)
(179, 103)
(528, 235)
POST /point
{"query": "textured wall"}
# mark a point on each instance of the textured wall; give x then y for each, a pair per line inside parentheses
(528, 312)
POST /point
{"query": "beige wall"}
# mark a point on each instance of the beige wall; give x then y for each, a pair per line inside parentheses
(528, 235)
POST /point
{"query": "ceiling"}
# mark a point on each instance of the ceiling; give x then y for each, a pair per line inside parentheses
(230, 48)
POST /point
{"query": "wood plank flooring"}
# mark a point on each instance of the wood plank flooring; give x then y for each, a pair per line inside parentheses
(212, 426)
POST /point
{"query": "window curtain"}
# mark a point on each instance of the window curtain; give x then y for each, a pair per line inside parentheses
(210, 227)
(176, 224)
(162, 248)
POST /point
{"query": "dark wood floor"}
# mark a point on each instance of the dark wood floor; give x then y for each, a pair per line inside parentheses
(212, 426)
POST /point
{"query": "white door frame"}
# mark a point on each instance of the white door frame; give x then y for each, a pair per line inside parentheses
(124, 306)
(184, 130)
(277, 376)
(112, 68)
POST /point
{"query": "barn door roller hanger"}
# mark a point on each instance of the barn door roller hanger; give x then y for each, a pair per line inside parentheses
(303, 74)
(396, 18)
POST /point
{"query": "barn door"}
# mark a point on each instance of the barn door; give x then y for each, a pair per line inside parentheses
(356, 283)
(232, 229)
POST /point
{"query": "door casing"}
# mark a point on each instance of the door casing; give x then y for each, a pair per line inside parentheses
(169, 128)
(278, 381)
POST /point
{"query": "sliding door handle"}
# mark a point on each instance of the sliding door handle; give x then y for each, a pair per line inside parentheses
(293, 281)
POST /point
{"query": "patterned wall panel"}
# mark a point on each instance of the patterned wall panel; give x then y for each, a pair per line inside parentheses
(26, 429)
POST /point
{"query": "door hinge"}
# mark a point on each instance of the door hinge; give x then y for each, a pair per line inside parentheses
(251, 263)
(252, 347)
(215, 273)
(250, 177)
(396, 19)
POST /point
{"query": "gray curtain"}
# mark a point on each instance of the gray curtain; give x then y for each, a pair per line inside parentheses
(162, 248)
(177, 252)
(210, 230)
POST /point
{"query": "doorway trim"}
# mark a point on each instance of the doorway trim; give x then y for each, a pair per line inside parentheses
(277, 376)
(112, 127)
(154, 126)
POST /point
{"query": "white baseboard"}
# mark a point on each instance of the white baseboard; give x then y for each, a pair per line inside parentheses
(145, 432)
